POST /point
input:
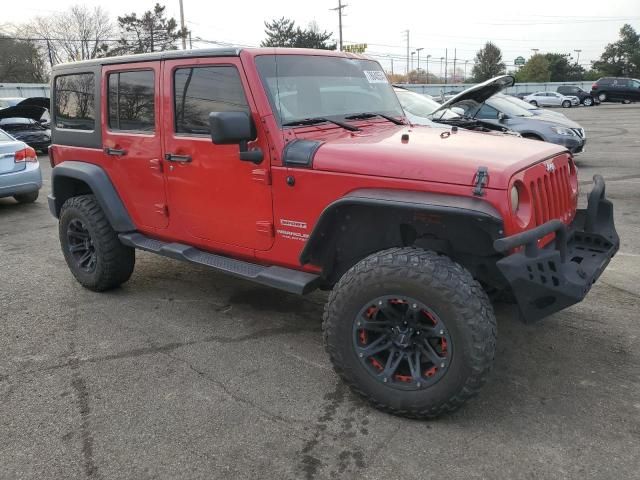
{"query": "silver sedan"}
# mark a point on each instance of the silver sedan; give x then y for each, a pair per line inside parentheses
(552, 99)
(20, 175)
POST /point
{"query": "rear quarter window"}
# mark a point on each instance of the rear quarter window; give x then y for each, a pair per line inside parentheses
(75, 101)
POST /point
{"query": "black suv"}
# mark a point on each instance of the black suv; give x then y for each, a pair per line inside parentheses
(616, 89)
(585, 98)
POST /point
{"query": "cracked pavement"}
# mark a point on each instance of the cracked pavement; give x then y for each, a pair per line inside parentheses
(187, 373)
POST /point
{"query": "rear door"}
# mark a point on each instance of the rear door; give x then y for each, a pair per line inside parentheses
(132, 142)
(214, 197)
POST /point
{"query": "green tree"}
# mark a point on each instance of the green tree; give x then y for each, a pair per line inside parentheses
(561, 69)
(621, 58)
(20, 61)
(535, 70)
(150, 32)
(283, 32)
(488, 63)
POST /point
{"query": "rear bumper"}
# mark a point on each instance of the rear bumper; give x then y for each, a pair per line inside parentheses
(24, 181)
(547, 280)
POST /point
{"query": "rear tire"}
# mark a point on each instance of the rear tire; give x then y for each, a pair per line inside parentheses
(94, 254)
(438, 300)
(534, 103)
(602, 97)
(566, 104)
(626, 102)
(27, 197)
(588, 102)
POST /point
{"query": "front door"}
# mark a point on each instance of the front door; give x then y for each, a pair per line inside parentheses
(214, 197)
(132, 141)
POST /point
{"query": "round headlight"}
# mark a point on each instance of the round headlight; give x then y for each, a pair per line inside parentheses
(515, 199)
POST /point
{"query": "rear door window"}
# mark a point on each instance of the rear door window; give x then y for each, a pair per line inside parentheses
(75, 101)
(199, 91)
(131, 101)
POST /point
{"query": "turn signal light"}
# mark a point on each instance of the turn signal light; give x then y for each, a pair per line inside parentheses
(25, 155)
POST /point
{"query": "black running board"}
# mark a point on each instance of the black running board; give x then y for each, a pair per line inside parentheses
(289, 280)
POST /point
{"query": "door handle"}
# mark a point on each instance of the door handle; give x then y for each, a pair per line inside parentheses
(171, 157)
(115, 151)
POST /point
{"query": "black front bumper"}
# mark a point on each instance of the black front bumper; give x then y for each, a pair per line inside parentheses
(550, 279)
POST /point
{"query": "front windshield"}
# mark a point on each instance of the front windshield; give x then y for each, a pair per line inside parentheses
(505, 106)
(312, 86)
(421, 106)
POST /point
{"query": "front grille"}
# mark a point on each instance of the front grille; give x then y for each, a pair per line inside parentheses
(579, 132)
(551, 196)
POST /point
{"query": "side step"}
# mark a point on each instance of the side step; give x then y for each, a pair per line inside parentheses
(293, 281)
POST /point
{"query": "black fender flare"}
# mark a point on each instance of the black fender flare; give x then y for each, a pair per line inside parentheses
(65, 180)
(322, 238)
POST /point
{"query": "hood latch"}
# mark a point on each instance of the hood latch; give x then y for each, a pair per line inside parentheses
(482, 179)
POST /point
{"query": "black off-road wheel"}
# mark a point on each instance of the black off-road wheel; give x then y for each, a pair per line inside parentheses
(26, 197)
(411, 331)
(94, 254)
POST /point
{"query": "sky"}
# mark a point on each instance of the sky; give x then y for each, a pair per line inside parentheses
(516, 27)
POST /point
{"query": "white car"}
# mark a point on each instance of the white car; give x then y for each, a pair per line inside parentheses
(552, 99)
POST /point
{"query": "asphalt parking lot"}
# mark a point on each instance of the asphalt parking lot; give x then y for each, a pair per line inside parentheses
(186, 373)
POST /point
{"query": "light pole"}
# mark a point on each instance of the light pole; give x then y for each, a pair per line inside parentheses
(441, 59)
(184, 38)
(465, 71)
(428, 57)
(412, 54)
(418, 50)
(535, 50)
(578, 59)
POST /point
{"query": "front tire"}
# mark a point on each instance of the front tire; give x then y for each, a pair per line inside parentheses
(566, 104)
(534, 103)
(26, 197)
(411, 331)
(94, 254)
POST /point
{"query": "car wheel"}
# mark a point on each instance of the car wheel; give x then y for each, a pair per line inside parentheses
(566, 104)
(587, 102)
(626, 102)
(602, 97)
(411, 331)
(91, 247)
(534, 103)
(27, 197)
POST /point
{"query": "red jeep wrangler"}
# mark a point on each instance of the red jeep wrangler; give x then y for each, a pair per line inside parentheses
(297, 169)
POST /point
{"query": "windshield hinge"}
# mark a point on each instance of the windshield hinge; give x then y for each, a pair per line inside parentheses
(482, 179)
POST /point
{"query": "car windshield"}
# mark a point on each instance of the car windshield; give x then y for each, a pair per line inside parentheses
(419, 105)
(310, 86)
(4, 137)
(506, 106)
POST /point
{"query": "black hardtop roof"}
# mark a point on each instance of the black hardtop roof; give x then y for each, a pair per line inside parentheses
(149, 57)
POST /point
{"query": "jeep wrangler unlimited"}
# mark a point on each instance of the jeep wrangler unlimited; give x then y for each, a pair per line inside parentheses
(297, 169)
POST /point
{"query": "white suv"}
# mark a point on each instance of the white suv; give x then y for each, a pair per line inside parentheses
(552, 99)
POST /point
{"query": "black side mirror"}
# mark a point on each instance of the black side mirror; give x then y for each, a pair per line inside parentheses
(229, 128)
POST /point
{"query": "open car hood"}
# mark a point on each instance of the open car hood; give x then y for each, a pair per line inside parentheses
(30, 111)
(481, 92)
(43, 102)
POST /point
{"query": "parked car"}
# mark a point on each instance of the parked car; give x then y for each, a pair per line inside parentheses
(616, 89)
(23, 123)
(20, 175)
(585, 98)
(552, 99)
(296, 169)
(10, 102)
(480, 103)
(419, 109)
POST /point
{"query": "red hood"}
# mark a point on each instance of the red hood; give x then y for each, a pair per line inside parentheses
(428, 154)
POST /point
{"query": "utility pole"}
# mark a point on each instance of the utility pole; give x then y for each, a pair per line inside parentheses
(465, 70)
(455, 55)
(339, 10)
(428, 57)
(446, 64)
(412, 54)
(406, 32)
(441, 59)
(184, 38)
(578, 59)
(391, 65)
(418, 50)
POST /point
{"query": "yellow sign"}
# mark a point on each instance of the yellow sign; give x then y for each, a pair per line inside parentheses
(355, 48)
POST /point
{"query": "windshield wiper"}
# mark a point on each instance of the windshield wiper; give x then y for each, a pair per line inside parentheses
(364, 116)
(313, 121)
